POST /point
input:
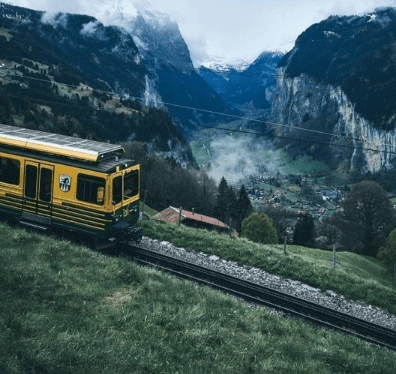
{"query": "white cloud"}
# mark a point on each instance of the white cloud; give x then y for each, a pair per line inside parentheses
(237, 158)
(55, 19)
(89, 28)
(229, 29)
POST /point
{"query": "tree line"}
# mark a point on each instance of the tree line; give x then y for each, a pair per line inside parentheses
(165, 182)
(365, 223)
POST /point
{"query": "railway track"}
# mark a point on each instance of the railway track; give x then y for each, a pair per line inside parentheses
(262, 295)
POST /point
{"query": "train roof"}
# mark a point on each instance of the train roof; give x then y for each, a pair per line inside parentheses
(58, 145)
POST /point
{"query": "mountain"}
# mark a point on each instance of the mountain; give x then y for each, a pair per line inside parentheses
(71, 74)
(339, 79)
(159, 39)
(251, 86)
(106, 57)
(172, 73)
(145, 58)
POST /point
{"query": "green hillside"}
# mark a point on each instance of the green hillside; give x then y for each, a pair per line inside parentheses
(356, 277)
(66, 309)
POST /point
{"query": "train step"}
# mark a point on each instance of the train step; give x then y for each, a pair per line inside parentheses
(33, 225)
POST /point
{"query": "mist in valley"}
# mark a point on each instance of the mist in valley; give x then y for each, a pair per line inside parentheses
(237, 157)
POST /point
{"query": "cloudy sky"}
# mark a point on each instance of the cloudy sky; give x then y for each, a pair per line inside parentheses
(224, 30)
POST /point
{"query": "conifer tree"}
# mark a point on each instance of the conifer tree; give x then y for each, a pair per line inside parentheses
(222, 197)
(231, 207)
(304, 232)
(243, 208)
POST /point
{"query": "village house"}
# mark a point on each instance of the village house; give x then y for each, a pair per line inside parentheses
(191, 219)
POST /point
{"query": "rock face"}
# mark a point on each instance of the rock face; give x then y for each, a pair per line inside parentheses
(340, 79)
(166, 55)
(159, 39)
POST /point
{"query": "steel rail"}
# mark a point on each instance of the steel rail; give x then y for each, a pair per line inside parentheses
(262, 295)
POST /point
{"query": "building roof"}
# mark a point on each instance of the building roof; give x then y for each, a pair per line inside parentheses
(171, 215)
(60, 145)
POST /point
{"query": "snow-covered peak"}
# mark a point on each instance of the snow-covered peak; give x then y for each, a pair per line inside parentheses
(220, 65)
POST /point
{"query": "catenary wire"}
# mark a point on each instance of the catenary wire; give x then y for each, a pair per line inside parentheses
(204, 110)
(212, 112)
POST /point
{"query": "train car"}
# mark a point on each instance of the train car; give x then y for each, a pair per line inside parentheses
(55, 181)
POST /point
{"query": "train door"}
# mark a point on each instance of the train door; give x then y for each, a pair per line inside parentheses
(37, 202)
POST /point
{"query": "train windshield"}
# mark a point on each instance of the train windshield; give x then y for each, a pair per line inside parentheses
(125, 186)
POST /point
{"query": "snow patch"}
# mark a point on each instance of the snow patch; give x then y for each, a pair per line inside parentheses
(372, 17)
(331, 34)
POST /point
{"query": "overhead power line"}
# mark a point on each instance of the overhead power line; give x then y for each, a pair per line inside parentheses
(211, 112)
(201, 110)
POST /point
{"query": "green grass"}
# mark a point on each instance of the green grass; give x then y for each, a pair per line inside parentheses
(301, 165)
(65, 309)
(200, 153)
(357, 277)
(147, 210)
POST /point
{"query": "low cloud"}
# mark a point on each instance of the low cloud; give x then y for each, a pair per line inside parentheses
(55, 19)
(237, 158)
(90, 28)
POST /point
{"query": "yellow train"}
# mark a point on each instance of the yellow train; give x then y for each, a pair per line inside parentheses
(55, 181)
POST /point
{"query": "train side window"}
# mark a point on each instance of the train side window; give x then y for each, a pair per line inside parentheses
(117, 189)
(9, 170)
(45, 184)
(31, 181)
(87, 188)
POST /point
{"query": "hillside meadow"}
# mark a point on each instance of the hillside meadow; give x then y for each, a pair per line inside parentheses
(67, 309)
(356, 277)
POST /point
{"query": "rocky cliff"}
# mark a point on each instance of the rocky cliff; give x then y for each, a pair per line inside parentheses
(320, 120)
(172, 74)
(339, 79)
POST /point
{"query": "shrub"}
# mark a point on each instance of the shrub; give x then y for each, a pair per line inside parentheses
(259, 229)
(387, 254)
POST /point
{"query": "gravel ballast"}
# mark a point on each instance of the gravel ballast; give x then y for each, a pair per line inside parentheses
(327, 298)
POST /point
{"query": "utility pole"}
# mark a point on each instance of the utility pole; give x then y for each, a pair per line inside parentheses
(334, 255)
(143, 204)
(284, 247)
(180, 214)
(394, 275)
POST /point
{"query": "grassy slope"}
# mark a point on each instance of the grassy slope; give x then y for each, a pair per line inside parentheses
(147, 210)
(66, 309)
(356, 277)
